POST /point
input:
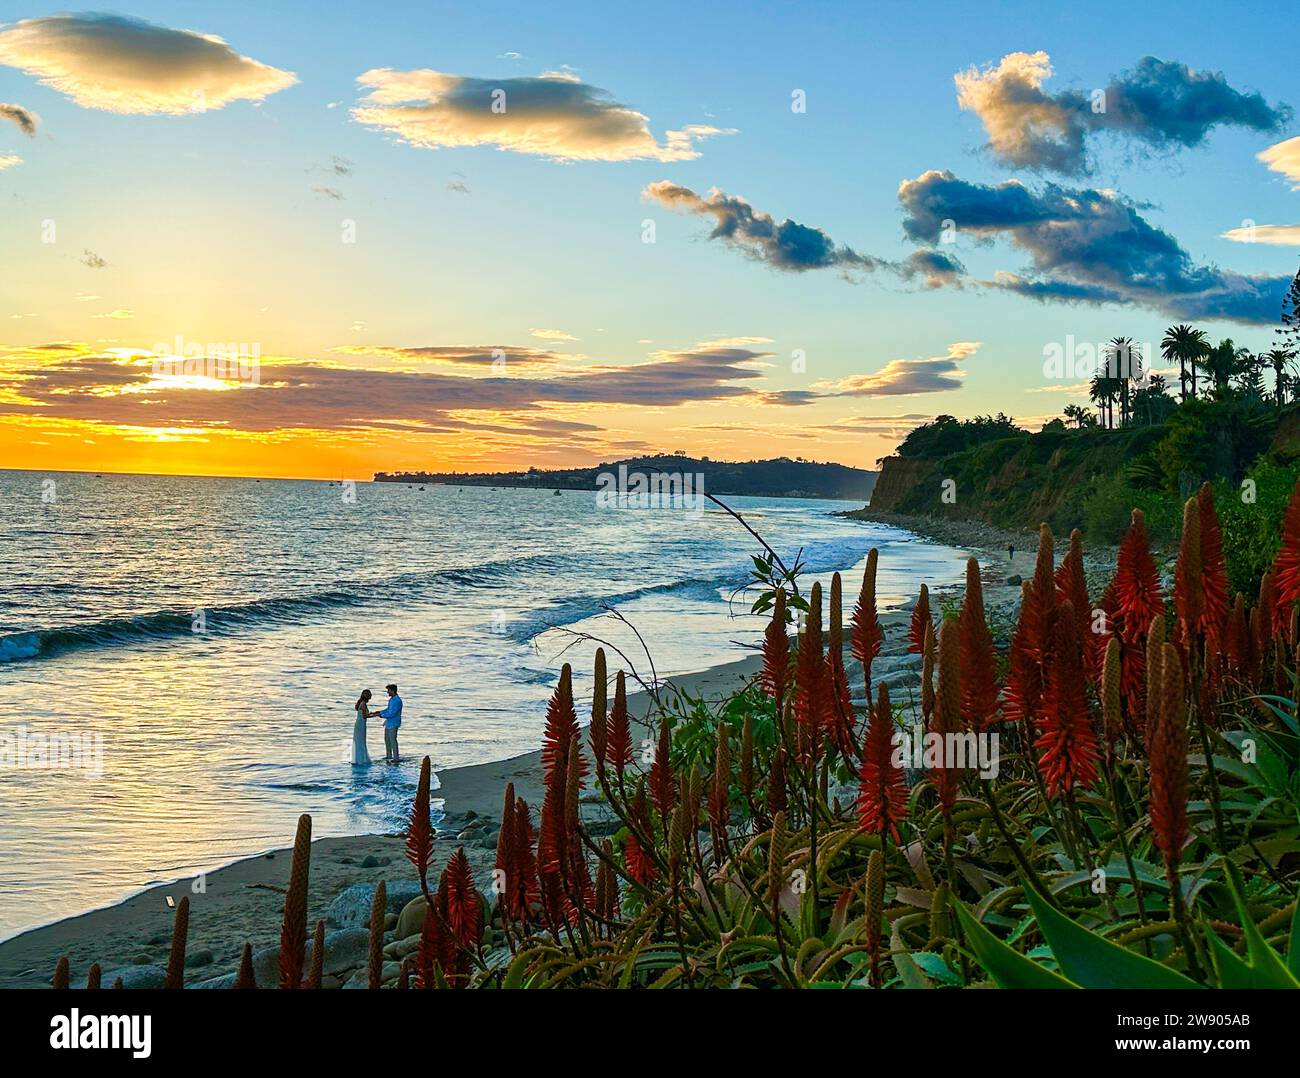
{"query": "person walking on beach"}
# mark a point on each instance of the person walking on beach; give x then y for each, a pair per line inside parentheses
(392, 716)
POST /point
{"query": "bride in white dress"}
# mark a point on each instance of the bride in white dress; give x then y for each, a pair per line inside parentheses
(360, 754)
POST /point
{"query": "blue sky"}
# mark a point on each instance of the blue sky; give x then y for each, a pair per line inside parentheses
(216, 226)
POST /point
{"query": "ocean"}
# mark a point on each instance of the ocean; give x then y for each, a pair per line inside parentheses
(211, 635)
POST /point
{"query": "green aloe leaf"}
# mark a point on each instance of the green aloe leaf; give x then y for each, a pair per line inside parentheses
(1265, 965)
(1008, 968)
(1233, 972)
(1094, 961)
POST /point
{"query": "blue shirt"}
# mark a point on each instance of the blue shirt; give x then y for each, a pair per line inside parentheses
(392, 714)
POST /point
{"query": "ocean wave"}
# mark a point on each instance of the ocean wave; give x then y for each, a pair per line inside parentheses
(819, 556)
(235, 617)
(569, 611)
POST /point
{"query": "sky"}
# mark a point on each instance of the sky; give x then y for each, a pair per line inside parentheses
(326, 239)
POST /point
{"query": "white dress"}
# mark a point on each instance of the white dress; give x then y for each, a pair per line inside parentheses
(360, 754)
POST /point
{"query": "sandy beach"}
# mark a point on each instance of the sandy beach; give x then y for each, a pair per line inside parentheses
(243, 901)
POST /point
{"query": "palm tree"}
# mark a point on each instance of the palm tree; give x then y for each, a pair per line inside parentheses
(1187, 346)
(1078, 415)
(1124, 366)
(1102, 392)
(1278, 359)
(1224, 361)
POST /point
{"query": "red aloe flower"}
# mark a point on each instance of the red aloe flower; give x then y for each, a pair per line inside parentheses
(843, 721)
(426, 954)
(811, 689)
(882, 796)
(979, 687)
(1066, 741)
(1072, 586)
(775, 677)
(524, 886)
(419, 832)
(438, 945)
(598, 732)
(561, 733)
(1167, 752)
(1044, 596)
(663, 784)
(1133, 680)
(866, 634)
(619, 751)
(947, 710)
(920, 621)
(638, 865)
(293, 927)
(507, 853)
(1136, 587)
(1024, 688)
(1285, 580)
(560, 745)
(464, 908)
(1214, 571)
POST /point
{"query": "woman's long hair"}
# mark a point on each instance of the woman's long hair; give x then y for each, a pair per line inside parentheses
(364, 698)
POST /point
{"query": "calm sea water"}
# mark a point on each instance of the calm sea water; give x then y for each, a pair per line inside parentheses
(215, 740)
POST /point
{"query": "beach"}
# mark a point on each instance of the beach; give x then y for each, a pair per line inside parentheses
(243, 901)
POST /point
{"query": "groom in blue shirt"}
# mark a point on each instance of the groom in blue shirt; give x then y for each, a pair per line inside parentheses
(392, 716)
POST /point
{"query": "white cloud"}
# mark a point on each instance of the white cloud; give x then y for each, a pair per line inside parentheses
(1278, 235)
(1284, 157)
(553, 115)
(127, 65)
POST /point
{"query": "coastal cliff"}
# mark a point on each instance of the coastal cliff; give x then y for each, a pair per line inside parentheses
(898, 476)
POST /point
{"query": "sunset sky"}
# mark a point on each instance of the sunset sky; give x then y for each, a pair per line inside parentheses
(429, 223)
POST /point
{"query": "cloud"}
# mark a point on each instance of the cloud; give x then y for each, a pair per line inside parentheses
(553, 115)
(24, 119)
(489, 357)
(8, 160)
(1085, 245)
(905, 377)
(1284, 157)
(936, 268)
(121, 314)
(1159, 103)
(120, 387)
(552, 335)
(127, 65)
(92, 260)
(787, 245)
(1281, 235)
(460, 187)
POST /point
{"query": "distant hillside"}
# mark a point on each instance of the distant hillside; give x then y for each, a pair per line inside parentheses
(778, 478)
